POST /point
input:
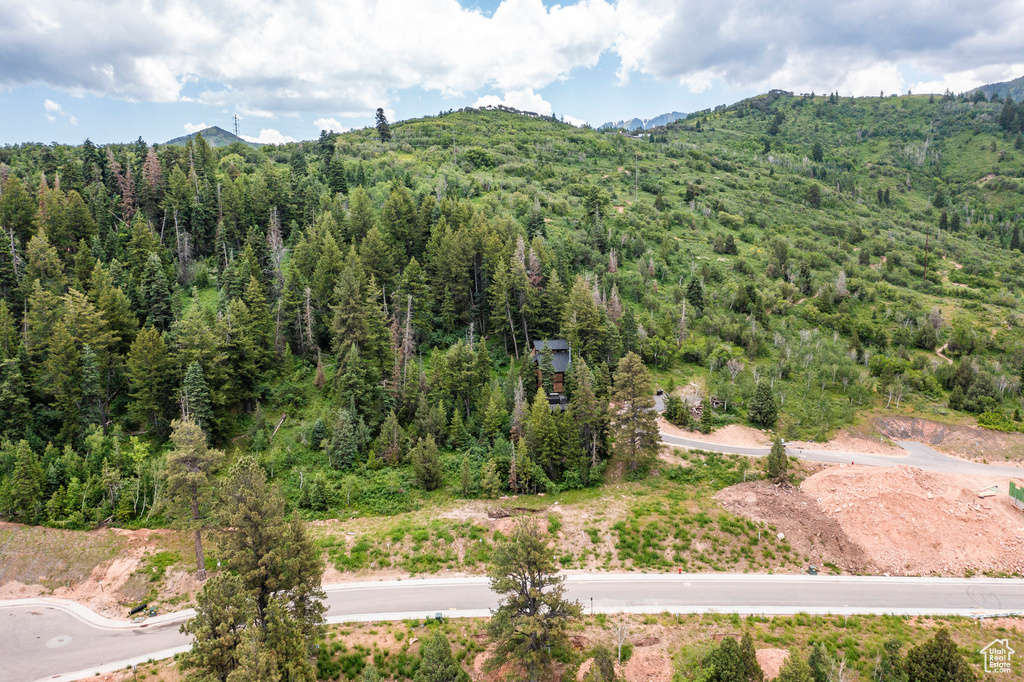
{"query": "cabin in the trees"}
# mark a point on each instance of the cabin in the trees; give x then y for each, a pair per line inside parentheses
(559, 354)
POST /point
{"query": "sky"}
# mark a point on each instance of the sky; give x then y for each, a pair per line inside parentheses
(117, 70)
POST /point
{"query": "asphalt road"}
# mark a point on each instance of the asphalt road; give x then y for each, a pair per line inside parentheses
(55, 642)
(918, 455)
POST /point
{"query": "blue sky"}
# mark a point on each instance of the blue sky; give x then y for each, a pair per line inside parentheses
(115, 70)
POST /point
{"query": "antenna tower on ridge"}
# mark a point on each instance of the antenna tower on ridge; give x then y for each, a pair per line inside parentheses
(236, 125)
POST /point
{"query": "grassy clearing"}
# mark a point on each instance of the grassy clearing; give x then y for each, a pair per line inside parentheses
(664, 523)
(54, 558)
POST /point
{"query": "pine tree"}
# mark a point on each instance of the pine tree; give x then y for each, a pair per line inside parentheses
(763, 409)
(938, 660)
(634, 427)
(15, 415)
(8, 333)
(195, 398)
(273, 556)
(190, 466)
(427, 463)
(533, 615)
(91, 402)
(542, 438)
(25, 483)
(752, 671)
(695, 294)
(155, 294)
(437, 664)
(587, 410)
(466, 477)
(343, 447)
(777, 462)
(224, 610)
(795, 669)
(336, 175)
(383, 129)
(148, 369)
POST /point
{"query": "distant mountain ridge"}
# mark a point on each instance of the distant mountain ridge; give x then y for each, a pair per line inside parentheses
(641, 124)
(1014, 89)
(215, 136)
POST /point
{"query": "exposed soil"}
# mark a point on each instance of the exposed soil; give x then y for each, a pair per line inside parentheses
(898, 521)
(734, 434)
(749, 437)
(913, 522)
(798, 516)
(771, 661)
(964, 441)
(101, 569)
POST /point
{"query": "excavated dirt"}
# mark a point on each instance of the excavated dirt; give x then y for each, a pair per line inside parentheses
(898, 521)
(909, 521)
(771, 661)
(798, 516)
(967, 442)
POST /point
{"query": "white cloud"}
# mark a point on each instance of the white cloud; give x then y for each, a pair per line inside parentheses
(355, 55)
(524, 100)
(330, 124)
(268, 136)
(194, 127)
(572, 120)
(247, 58)
(854, 46)
(54, 109)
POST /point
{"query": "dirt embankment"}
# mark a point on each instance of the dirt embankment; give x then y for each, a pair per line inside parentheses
(748, 437)
(799, 518)
(967, 442)
(103, 569)
(899, 521)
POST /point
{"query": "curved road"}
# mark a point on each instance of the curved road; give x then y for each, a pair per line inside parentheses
(918, 455)
(54, 640)
(57, 640)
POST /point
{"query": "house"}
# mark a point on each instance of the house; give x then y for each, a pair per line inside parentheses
(561, 359)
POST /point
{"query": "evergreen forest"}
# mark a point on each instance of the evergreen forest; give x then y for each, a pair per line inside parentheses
(357, 312)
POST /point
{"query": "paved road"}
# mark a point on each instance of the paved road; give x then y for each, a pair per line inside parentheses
(918, 455)
(49, 641)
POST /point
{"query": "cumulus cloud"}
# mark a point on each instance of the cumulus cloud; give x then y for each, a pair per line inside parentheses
(269, 58)
(329, 124)
(269, 136)
(524, 100)
(53, 110)
(346, 56)
(572, 120)
(855, 46)
(194, 127)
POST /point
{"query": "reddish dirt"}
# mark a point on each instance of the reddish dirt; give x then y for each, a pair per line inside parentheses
(914, 522)
(771, 661)
(964, 441)
(810, 532)
(897, 521)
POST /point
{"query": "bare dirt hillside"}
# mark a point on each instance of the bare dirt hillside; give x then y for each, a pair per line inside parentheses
(104, 569)
(968, 442)
(899, 521)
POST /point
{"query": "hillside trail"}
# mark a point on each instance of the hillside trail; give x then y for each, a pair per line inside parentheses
(939, 353)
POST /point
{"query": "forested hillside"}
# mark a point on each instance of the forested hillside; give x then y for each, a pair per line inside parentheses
(358, 313)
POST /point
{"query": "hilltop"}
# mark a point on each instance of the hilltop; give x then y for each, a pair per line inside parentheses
(215, 136)
(644, 124)
(1014, 89)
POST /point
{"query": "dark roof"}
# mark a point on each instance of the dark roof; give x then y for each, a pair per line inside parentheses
(553, 344)
(561, 358)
